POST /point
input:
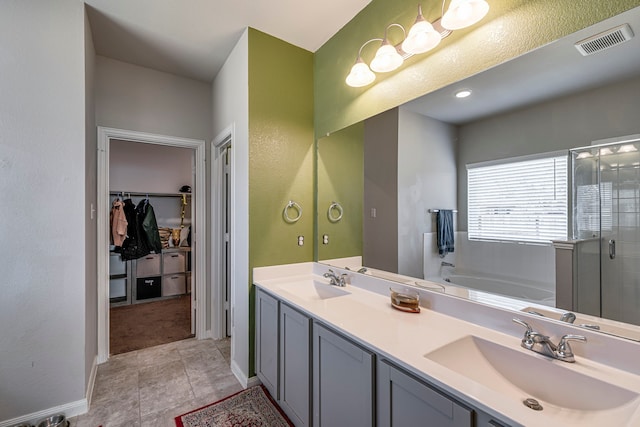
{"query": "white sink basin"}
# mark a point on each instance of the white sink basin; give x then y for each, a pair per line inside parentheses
(563, 393)
(313, 290)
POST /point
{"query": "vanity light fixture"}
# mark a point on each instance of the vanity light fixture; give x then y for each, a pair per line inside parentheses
(584, 155)
(463, 93)
(464, 13)
(422, 37)
(627, 148)
(387, 57)
(361, 74)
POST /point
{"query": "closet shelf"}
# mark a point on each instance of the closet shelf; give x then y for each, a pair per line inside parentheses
(138, 194)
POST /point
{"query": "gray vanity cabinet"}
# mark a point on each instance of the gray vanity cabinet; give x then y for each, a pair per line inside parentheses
(343, 389)
(320, 377)
(403, 400)
(267, 313)
(295, 365)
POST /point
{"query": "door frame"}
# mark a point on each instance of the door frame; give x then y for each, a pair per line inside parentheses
(223, 139)
(199, 223)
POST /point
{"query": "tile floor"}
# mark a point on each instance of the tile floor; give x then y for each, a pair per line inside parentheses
(150, 387)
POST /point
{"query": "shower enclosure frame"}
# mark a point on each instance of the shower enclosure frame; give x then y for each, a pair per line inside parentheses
(605, 226)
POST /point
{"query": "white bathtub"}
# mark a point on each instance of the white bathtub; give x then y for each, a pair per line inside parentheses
(507, 288)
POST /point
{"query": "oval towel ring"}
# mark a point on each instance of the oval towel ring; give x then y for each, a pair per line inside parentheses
(337, 207)
(285, 213)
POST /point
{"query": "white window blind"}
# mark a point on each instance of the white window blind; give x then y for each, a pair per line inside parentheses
(593, 209)
(520, 200)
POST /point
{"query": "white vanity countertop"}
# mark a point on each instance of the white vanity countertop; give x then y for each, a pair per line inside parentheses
(366, 316)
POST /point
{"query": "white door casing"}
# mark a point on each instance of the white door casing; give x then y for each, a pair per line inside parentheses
(218, 145)
(106, 134)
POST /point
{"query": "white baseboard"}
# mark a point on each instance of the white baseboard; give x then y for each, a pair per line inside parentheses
(245, 381)
(239, 374)
(92, 381)
(69, 410)
(254, 380)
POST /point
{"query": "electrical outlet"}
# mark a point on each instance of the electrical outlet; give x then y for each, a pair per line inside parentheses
(373, 212)
(325, 239)
(300, 240)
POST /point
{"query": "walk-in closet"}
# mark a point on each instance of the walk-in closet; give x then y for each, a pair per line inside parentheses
(151, 251)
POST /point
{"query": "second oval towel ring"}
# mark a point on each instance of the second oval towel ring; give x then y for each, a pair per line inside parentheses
(285, 212)
(335, 206)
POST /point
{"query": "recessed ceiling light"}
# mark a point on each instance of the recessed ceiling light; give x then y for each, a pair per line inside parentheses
(463, 93)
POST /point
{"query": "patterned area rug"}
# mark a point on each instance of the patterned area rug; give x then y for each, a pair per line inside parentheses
(252, 407)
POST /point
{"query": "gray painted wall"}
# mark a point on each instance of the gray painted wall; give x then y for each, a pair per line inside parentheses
(90, 167)
(426, 180)
(43, 209)
(137, 98)
(568, 122)
(149, 168)
(380, 234)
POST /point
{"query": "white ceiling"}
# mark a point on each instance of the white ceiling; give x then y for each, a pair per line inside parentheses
(549, 72)
(193, 38)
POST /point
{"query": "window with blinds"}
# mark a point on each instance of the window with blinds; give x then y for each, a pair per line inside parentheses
(519, 200)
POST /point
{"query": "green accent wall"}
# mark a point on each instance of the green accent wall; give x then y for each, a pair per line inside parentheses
(281, 150)
(512, 28)
(341, 179)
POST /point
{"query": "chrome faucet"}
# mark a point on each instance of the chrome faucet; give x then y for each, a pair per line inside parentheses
(336, 280)
(568, 317)
(446, 264)
(542, 344)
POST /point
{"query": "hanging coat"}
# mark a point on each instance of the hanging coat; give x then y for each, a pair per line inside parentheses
(135, 245)
(118, 224)
(149, 226)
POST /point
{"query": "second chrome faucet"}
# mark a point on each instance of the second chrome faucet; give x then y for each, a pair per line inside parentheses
(542, 344)
(335, 279)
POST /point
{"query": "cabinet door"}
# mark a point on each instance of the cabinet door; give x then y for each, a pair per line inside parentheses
(295, 365)
(267, 341)
(402, 400)
(342, 381)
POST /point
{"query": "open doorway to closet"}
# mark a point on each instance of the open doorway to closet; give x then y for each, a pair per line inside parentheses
(150, 252)
(148, 292)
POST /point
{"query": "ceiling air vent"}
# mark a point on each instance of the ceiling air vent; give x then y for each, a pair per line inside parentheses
(605, 40)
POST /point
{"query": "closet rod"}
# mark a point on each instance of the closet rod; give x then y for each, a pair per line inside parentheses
(138, 194)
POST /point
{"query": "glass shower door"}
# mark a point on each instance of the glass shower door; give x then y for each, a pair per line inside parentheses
(620, 231)
(606, 229)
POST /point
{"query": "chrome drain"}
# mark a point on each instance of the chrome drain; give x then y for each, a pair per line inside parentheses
(533, 404)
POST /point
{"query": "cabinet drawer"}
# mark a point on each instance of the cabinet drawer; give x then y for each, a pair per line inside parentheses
(173, 285)
(173, 262)
(148, 265)
(118, 288)
(147, 287)
(117, 267)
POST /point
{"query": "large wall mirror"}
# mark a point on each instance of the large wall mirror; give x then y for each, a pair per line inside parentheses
(386, 177)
